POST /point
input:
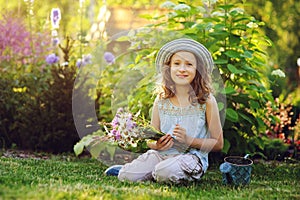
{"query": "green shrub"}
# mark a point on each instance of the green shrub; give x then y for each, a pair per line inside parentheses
(275, 149)
(239, 51)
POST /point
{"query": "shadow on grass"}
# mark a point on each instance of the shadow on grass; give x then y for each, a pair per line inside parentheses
(80, 178)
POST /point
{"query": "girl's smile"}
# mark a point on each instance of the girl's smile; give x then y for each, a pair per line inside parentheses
(183, 67)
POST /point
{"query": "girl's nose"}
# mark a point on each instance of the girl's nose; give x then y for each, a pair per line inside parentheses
(182, 67)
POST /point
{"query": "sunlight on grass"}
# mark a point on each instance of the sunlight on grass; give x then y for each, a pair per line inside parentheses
(84, 179)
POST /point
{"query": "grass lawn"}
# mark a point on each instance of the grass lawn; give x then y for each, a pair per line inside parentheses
(66, 177)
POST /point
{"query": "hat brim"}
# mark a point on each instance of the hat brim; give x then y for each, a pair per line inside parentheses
(184, 44)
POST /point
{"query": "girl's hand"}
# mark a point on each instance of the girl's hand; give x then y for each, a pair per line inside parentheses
(181, 136)
(163, 143)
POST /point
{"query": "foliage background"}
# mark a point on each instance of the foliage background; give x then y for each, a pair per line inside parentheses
(39, 117)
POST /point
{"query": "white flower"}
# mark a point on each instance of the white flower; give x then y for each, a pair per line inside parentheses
(54, 33)
(182, 7)
(171, 14)
(252, 25)
(217, 14)
(168, 5)
(278, 72)
(200, 9)
(65, 64)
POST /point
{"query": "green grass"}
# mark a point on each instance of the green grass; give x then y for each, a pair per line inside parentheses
(73, 178)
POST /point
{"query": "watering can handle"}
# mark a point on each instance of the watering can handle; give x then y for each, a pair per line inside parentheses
(246, 156)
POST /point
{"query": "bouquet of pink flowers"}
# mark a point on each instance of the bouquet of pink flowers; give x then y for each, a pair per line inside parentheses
(130, 132)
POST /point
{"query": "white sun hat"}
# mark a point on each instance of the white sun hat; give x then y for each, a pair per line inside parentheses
(183, 44)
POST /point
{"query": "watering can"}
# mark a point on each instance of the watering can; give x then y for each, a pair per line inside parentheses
(236, 170)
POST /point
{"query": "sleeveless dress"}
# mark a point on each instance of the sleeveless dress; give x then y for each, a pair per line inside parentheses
(191, 117)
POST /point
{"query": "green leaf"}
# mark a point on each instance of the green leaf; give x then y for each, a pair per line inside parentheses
(247, 54)
(259, 142)
(221, 35)
(249, 69)
(260, 122)
(226, 6)
(246, 117)
(123, 38)
(78, 148)
(220, 61)
(111, 150)
(219, 27)
(226, 146)
(241, 19)
(220, 106)
(97, 148)
(232, 115)
(138, 58)
(234, 70)
(232, 54)
(234, 39)
(229, 90)
(254, 104)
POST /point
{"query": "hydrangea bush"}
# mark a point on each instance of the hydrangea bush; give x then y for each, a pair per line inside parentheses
(238, 47)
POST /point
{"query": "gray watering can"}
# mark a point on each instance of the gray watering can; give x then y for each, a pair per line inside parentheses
(236, 170)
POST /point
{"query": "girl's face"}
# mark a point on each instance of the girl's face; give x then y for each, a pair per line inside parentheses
(183, 67)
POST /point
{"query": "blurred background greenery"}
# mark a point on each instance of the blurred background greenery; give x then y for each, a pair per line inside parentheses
(36, 97)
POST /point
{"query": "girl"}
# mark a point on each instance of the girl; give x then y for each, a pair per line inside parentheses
(187, 111)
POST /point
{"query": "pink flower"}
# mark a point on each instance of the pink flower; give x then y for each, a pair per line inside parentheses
(17, 44)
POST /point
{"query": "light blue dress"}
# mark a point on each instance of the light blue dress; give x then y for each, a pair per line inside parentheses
(192, 118)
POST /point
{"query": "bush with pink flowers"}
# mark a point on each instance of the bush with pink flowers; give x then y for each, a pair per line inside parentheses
(19, 45)
(35, 89)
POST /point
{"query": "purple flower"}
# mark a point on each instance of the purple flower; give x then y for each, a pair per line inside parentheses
(52, 59)
(129, 125)
(55, 41)
(116, 134)
(120, 110)
(109, 57)
(86, 59)
(78, 63)
(55, 17)
(115, 122)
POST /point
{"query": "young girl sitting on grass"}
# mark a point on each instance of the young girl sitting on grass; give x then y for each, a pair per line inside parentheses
(186, 110)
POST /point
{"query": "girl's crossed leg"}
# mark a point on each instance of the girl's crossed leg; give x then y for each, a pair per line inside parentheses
(174, 169)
